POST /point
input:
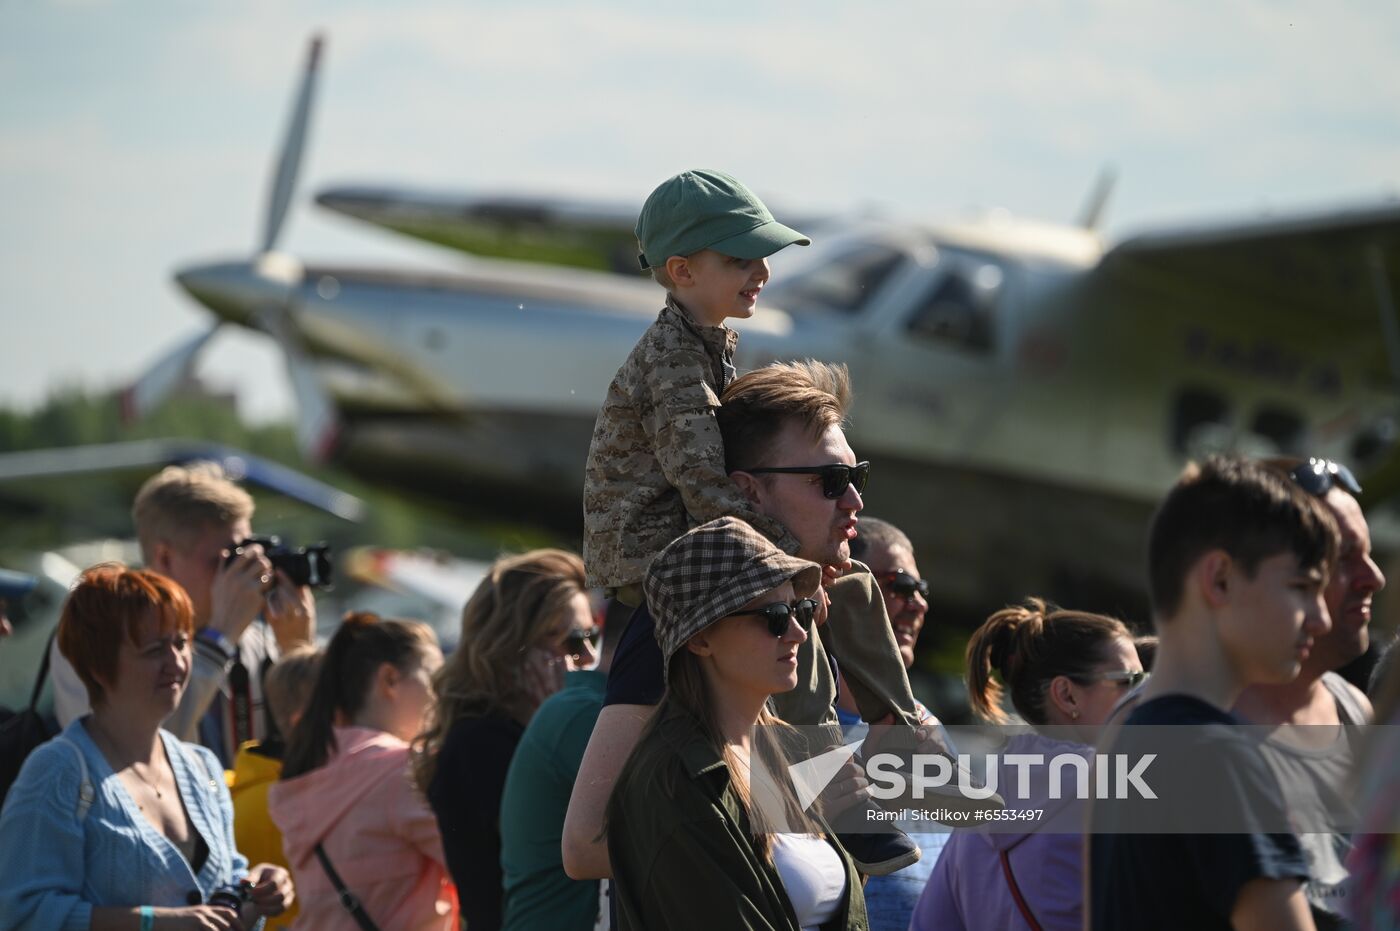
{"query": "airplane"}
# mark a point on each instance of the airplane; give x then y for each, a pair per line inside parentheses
(1025, 391)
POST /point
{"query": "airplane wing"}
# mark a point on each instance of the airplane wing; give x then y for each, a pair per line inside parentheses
(573, 232)
(1332, 277)
(42, 479)
(577, 233)
(1306, 266)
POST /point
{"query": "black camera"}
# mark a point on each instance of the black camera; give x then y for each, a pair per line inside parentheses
(309, 565)
(232, 895)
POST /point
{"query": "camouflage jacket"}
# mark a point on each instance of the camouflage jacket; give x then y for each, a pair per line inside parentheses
(656, 465)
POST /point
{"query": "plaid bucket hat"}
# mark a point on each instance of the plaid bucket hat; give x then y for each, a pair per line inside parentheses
(713, 571)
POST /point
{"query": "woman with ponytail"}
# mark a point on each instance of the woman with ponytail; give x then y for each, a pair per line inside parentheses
(688, 846)
(1064, 671)
(528, 623)
(350, 818)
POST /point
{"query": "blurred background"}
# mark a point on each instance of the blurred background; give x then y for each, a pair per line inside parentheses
(136, 140)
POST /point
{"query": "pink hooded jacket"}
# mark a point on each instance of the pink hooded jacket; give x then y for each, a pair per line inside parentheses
(377, 830)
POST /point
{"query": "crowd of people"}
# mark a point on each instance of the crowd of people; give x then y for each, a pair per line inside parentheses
(565, 770)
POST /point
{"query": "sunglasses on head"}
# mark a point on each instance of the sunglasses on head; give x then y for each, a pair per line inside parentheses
(835, 477)
(903, 585)
(780, 612)
(1317, 476)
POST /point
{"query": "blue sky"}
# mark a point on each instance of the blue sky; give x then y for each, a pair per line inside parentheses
(136, 137)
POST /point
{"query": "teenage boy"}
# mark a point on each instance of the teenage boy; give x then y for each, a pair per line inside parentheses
(1238, 557)
(656, 465)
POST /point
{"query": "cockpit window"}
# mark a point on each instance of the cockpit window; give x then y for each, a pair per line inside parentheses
(842, 284)
(961, 306)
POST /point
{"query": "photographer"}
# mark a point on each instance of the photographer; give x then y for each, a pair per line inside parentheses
(190, 521)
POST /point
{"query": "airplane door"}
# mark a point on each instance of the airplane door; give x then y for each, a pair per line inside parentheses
(934, 384)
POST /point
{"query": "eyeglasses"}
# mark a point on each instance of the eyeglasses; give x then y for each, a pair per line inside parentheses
(780, 612)
(1130, 677)
(835, 477)
(577, 641)
(1317, 476)
(903, 585)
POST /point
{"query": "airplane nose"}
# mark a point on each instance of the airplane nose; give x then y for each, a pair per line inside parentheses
(239, 292)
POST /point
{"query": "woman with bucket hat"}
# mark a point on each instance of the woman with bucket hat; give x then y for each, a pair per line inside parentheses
(686, 838)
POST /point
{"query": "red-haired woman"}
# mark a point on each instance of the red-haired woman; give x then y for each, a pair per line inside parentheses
(116, 823)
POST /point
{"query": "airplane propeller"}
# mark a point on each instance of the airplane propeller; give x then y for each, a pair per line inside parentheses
(258, 293)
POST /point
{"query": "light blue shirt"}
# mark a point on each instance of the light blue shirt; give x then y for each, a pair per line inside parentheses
(55, 867)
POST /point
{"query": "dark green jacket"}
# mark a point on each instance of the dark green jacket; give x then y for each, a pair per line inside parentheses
(681, 849)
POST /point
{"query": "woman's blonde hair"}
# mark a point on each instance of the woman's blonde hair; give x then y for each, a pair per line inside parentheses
(1028, 645)
(515, 609)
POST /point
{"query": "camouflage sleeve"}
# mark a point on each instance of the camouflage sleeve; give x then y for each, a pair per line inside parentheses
(680, 422)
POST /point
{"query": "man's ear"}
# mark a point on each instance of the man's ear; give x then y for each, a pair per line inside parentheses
(749, 485)
(1211, 577)
(678, 268)
(161, 555)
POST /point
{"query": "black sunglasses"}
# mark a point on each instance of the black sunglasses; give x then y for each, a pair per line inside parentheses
(1132, 678)
(835, 477)
(780, 612)
(903, 585)
(1317, 476)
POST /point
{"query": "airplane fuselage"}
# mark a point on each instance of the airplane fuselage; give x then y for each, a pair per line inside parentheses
(1020, 423)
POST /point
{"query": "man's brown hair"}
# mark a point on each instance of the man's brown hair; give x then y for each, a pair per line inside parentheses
(1250, 510)
(757, 405)
(181, 500)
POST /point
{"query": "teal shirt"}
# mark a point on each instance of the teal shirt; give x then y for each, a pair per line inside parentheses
(538, 893)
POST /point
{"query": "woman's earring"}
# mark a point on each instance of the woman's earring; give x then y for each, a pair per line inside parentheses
(1074, 715)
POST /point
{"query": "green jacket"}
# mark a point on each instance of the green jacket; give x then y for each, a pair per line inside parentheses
(681, 848)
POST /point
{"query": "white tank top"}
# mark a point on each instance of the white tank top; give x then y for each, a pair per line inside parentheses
(813, 876)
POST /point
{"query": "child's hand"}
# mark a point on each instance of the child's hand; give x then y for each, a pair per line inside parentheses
(831, 573)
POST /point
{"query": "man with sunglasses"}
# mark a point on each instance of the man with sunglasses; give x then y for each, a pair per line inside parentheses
(1319, 696)
(786, 451)
(887, 551)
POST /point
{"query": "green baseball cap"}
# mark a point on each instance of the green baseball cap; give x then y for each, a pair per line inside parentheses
(707, 209)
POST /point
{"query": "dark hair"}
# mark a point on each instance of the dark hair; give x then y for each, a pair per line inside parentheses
(1027, 646)
(757, 405)
(1146, 647)
(105, 607)
(1250, 510)
(360, 646)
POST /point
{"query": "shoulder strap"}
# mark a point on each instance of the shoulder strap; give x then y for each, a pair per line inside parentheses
(86, 793)
(1348, 708)
(43, 672)
(348, 899)
(1021, 905)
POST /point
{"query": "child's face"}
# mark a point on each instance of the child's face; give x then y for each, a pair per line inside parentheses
(721, 286)
(1275, 617)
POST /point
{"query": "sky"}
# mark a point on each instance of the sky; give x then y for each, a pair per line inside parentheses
(137, 137)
